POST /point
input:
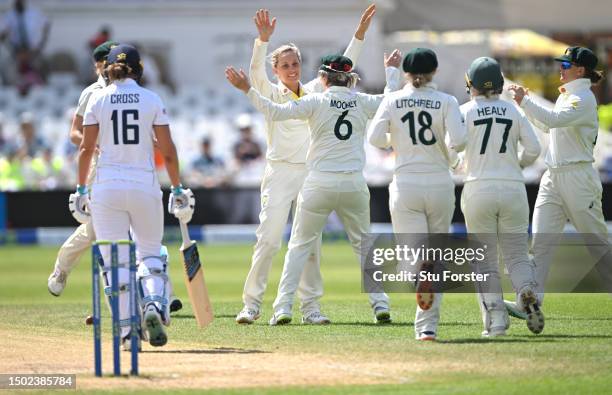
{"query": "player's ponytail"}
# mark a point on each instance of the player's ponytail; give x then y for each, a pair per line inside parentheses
(118, 71)
(594, 75)
(419, 80)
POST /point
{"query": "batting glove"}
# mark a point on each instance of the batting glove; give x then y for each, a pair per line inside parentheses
(78, 203)
(181, 203)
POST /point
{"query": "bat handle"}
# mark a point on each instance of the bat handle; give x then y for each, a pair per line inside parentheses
(185, 234)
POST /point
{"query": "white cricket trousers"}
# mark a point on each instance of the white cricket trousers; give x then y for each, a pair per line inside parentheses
(569, 192)
(279, 191)
(419, 206)
(73, 248)
(114, 212)
(498, 212)
(80, 240)
(322, 193)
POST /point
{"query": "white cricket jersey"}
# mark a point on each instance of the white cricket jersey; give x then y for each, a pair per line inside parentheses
(495, 128)
(337, 120)
(287, 140)
(126, 113)
(572, 123)
(87, 93)
(419, 123)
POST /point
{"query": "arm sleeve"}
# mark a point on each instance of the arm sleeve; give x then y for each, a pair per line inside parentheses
(257, 69)
(354, 50)
(530, 143)
(83, 100)
(393, 78)
(161, 115)
(557, 117)
(455, 125)
(378, 131)
(298, 109)
(91, 116)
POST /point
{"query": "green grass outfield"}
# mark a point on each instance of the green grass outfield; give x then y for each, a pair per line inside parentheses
(573, 355)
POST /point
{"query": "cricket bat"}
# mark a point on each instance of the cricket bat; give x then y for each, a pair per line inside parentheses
(194, 280)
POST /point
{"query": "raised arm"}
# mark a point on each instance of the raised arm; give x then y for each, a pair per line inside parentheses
(299, 109)
(257, 69)
(379, 129)
(530, 143)
(354, 48)
(392, 72)
(356, 44)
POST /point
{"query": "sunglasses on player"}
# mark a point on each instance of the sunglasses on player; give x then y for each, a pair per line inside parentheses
(566, 65)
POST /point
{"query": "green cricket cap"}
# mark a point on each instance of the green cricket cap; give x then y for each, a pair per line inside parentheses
(420, 61)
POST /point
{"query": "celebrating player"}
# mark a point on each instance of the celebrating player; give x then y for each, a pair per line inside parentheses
(285, 168)
(494, 199)
(570, 188)
(337, 119)
(415, 122)
(124, 119)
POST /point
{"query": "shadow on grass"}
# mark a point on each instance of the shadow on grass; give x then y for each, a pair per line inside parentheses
(188, 316)
(564, 336)
(182, 316)
(361, 323)
(219, 350)
(526, 339)
(578, 318)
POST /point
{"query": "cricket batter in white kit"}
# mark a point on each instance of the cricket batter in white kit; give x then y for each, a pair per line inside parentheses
(124, 119)
(337, 120)
(494, 199)
(80, 241)
(416, 122)
(285, 171)
(570, 188)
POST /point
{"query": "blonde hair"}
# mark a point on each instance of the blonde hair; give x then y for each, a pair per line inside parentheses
(488, 93)
(348, 80)
(418, 80)
(291, 47)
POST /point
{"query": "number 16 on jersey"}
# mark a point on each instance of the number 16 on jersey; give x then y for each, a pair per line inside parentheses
(129, 131)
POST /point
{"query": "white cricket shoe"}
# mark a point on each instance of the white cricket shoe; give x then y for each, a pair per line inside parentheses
(426, 336)
(280, 319)
(316, 318)
(57, 282)
(382, 315)
(154, 327)
(247, 316)
(514, 311)
(529, 303)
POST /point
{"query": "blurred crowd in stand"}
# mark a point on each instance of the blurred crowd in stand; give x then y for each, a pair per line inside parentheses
(218, 146)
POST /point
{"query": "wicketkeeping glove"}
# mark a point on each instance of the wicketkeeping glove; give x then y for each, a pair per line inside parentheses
(78, 203)
(181, 203)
